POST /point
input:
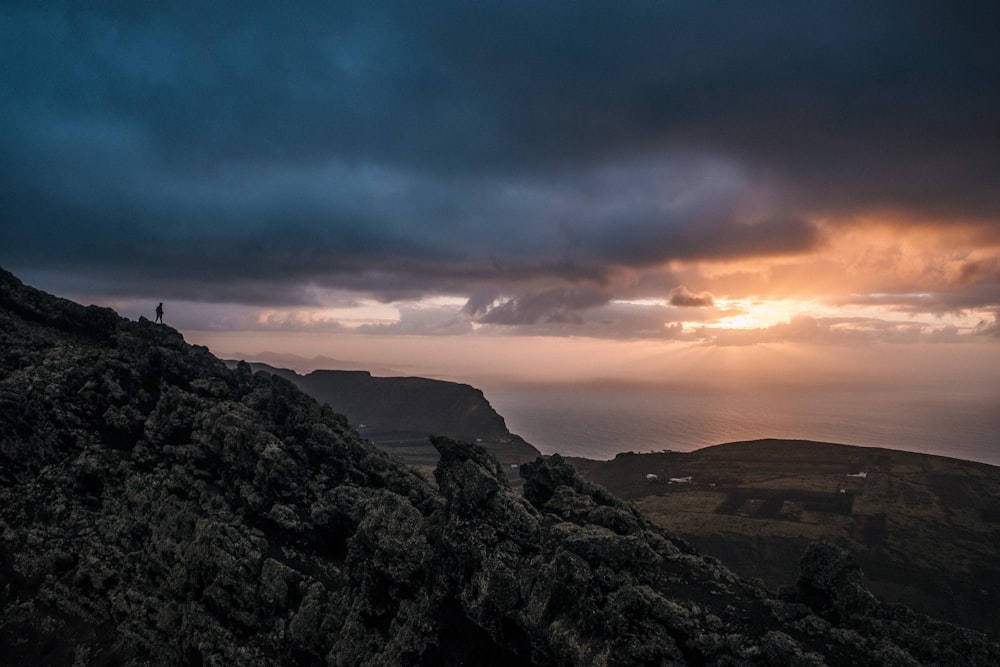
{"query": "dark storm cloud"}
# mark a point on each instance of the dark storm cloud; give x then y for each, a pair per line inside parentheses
(555, 305)
(520, 154)
(683, 297)
(614, 320)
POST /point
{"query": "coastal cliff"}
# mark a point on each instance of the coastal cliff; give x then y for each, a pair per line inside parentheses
(157, 507)
(399, 414)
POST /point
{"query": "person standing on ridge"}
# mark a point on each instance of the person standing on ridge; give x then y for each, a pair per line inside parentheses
(159, 313)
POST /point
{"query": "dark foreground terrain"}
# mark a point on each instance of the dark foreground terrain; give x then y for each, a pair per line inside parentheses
(157, 507)
(925, 529)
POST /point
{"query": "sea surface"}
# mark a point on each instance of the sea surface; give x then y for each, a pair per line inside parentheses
(598, 422)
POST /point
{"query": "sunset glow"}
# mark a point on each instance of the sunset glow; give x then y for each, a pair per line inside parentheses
(756, 313)
(500, 332)
(657, 192)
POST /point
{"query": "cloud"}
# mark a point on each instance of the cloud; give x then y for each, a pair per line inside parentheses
(835, 331)
(682, 297)
(540, 161)
(423, 321)
(559, 305)
(989, 329)
(947, 301)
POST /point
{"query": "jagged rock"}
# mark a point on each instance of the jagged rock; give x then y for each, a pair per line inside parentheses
(831, 582)
(157, 507)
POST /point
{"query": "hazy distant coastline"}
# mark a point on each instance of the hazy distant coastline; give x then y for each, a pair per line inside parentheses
(599, 422)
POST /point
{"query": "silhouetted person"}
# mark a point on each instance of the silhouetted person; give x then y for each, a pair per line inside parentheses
(159, 313)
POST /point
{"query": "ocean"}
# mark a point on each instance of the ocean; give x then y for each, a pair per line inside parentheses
(598, 422)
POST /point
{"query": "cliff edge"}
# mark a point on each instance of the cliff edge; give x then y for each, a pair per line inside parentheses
(399, 414)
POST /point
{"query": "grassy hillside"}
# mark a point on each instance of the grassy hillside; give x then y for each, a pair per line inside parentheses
(926, 529)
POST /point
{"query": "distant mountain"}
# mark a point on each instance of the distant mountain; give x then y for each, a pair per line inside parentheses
(400, 414)
(157, 507)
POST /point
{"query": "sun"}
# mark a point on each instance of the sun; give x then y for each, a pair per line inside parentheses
(755, 313)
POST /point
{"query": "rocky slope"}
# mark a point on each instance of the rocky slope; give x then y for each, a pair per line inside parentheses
(399, 414)
(157, 507)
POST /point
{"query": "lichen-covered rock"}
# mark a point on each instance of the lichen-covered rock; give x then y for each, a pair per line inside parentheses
(157, 507)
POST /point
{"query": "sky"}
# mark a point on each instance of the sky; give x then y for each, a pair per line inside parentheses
(646, 190)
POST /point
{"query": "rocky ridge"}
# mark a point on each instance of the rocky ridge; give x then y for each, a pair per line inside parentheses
(157, 507)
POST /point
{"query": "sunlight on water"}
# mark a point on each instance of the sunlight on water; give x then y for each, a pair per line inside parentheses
(600, 422)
